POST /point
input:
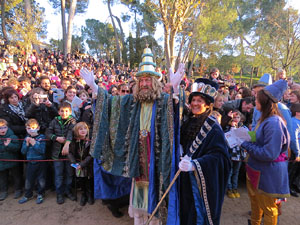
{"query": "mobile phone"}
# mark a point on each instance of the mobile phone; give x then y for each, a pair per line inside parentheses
(74, 165)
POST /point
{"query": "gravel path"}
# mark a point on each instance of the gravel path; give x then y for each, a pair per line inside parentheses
(235, 212)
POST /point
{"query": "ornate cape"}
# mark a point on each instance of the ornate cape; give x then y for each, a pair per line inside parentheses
(116, 139)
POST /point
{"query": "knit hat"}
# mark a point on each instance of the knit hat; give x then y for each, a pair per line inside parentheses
(266, 79)
(276, 90)
(147, 66)
(204, 87)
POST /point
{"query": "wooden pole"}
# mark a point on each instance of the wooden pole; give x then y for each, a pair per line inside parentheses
(163, 197)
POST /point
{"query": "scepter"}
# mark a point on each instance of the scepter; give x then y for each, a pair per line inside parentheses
(163, 197)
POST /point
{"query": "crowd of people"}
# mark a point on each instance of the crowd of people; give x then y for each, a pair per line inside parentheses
(50, 103)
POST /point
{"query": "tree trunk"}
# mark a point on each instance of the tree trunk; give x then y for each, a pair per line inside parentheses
(193, 60)
(28, 10)
(63, 25)
(257, 72)
(251, 79)
(241, 73)
(166, 46)
(116, 33)
(171, 48)
(123, 49)
(178, 59)
(3, 21)
(70, 26)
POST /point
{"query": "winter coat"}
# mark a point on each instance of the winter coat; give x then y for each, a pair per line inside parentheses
(60, 128)
(43, 114)
(10, 151)
(88, 117)
(16, 123)
(267, 166)
(79, 152)
(36, 152)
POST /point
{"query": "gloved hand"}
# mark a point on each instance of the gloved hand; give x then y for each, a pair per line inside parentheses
(186, 165)
(176, 78)
(89, 79)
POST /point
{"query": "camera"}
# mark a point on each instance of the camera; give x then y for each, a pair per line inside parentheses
(43, 96)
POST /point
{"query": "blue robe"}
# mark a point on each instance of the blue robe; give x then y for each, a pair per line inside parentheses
(108, 186)
(202, 191)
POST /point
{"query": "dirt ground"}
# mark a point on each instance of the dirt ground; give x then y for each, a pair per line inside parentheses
(235, 212)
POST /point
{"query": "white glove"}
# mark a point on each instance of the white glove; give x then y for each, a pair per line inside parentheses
(186, 165)
(176, 78)
(89, 79)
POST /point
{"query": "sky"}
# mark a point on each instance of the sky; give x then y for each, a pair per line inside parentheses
(99, 11)
(96, 10)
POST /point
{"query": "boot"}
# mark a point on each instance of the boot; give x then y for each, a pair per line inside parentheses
(60, 199)
(293, 193)
(90, 193)
(91, 200)
(83, 199)
(3, 195)
(18, 194)
(115, 211)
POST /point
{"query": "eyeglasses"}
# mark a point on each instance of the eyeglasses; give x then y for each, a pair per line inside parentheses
(3, 128)
(125, 91)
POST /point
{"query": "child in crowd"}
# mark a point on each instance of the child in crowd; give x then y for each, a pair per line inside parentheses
(60, 132)
(80, 158)
(237, 153)
(86, 108)
(70, 94)
(34, 147)
(9, 149)
(85, 98)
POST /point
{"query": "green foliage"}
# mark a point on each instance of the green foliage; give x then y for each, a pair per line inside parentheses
(212, 26)
(56, 44)
(10, 4)
(81, 6)
(77, 44)
(141, 8)
(27, 31)
(99, 37)
(136, 54)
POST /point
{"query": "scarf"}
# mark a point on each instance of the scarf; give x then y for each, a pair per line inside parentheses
(19, 110)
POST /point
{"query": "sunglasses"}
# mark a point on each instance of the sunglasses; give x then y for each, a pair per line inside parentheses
(125, 91)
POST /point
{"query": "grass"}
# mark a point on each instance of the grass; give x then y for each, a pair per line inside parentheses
(246, 78)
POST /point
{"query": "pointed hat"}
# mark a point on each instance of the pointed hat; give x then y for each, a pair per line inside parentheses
(147, 66)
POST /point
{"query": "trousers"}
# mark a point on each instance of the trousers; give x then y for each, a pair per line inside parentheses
(262, 204)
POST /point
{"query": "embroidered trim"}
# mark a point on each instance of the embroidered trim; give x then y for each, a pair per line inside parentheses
(96, 124)
(199, 142)
(209, 122)
(204, 193)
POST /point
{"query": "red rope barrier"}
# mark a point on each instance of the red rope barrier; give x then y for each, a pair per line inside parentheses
(35, 160)
(22, 139)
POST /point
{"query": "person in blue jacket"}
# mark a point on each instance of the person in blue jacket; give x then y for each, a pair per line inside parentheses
(267, 166)
(294, 165)
(34, 147)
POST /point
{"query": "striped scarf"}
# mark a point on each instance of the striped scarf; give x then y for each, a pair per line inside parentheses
(19, 110)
